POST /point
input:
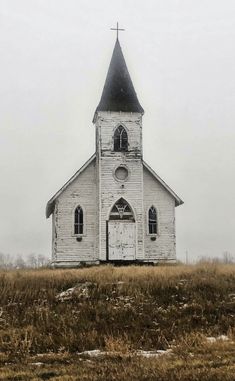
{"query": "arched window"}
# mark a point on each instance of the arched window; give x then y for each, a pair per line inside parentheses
(120, 139)
(121, 211)
(152, 220)
(78, 220)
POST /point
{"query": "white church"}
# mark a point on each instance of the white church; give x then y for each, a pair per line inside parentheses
(115, 208)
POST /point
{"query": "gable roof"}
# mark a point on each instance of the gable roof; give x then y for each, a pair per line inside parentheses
(51, 203)
(119, 93)
(178, 200)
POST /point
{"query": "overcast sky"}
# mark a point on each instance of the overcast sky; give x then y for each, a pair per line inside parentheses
(54, 56)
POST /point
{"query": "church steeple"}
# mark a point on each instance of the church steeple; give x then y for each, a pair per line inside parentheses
(119, 93)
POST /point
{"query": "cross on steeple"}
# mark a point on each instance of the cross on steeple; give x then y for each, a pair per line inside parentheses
(117, 29)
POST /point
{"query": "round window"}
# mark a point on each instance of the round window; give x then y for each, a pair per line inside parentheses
(121, 173)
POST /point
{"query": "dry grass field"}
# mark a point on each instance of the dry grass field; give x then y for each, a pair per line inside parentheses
(118, 323)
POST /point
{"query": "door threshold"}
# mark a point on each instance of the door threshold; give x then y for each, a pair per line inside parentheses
(120, 262)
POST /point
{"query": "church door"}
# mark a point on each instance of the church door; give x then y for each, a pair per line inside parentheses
(121, 233)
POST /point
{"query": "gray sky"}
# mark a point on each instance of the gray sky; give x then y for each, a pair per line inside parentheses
(54, 56)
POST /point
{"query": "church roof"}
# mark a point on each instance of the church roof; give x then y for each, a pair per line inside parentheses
(119, 93)
(178, 200)
(51, 203)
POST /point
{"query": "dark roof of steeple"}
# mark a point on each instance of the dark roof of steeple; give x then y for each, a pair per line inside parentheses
(119, 93)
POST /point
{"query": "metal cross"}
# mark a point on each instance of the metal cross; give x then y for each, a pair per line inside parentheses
(117, 29)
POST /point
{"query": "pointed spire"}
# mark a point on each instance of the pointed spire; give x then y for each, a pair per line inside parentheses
(119, 93)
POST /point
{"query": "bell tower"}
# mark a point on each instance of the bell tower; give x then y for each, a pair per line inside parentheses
(119, 154)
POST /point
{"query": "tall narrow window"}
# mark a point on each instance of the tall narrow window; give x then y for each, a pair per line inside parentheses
(120, 139)
(78, 220)
(152, 220)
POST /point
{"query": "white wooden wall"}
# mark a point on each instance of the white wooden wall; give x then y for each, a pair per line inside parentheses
(164, 246)
(82, 191)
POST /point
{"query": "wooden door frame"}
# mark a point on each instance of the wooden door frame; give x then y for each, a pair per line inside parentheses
(107, 226)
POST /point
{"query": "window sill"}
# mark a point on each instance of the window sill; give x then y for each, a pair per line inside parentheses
(153, 236)
(78, 235)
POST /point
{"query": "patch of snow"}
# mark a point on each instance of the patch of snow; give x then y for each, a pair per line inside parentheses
(81, 290)
(183, 281)
(223, 338)
(92, 353)
(118, 283)
(37, 363)
(146, 354)
(214, 339)
(149, 354)
(211, 339)
(65, 295)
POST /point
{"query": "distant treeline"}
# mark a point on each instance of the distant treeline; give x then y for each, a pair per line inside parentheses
(8, 261)
(33, 261)
(226, 258)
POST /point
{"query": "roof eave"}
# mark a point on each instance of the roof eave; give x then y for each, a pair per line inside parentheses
(50, 208)
(178, 200)
(178, 203)
(51, 203)
(96, 113)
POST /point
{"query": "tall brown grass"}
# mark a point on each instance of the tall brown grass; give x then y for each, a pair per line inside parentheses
(130, 307)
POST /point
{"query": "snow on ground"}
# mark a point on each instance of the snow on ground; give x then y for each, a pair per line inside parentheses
(81, 290)
(65, 295)
(93, 353)
(214, 339)
(37, 363)
(149, 354)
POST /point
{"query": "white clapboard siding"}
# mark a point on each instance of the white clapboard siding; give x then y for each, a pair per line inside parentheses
(110, 190)
(82, 191)
(163, 248)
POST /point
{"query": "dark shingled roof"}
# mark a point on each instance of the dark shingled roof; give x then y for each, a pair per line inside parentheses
(119, 93)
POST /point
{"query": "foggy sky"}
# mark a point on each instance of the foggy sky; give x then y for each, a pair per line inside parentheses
(54, 56)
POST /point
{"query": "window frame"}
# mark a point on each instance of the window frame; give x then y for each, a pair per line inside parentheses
(157, 222)
(116, 216)
(128, 173)
(73, 222)
(114, 139)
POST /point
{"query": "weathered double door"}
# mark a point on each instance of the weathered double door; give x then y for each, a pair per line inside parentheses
(121, 240)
